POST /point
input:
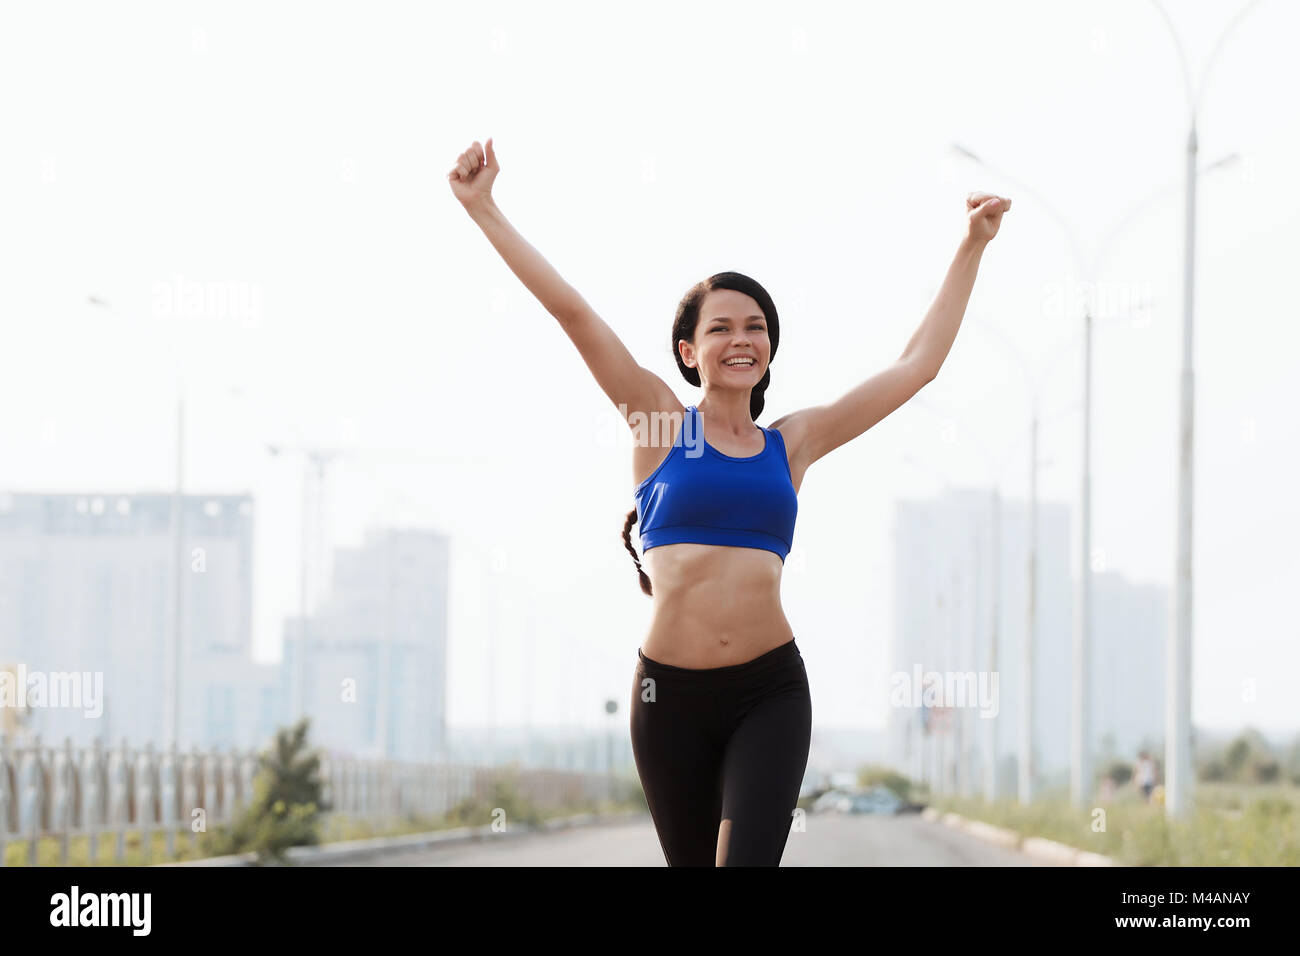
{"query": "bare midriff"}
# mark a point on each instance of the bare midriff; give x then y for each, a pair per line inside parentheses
(714, 606)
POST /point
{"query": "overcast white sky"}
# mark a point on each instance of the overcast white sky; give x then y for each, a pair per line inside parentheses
(299, 151)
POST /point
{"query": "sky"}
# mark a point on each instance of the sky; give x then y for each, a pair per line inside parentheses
(291, 159)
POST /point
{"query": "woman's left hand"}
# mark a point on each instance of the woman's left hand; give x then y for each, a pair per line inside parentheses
(984, 211)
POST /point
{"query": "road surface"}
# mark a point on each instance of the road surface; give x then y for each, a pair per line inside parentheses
(830, 839)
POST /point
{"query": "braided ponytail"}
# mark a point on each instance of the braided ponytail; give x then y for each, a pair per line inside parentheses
(627, 541)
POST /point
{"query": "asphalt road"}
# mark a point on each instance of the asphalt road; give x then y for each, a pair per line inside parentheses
(830, 839)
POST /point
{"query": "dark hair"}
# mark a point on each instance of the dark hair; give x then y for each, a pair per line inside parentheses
(688, 316)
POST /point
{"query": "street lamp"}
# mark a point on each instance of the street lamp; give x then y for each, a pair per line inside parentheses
(1178, 657)
(611, 709)
(1024, 761)
(926, 726)
(171, 716)
(1080, 755)
(314, 459)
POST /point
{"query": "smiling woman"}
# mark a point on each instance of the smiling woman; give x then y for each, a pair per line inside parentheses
(721, 717)
(737, 346)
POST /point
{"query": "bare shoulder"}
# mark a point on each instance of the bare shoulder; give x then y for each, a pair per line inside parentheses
(659, 400)
(794, 428)
(655, 423)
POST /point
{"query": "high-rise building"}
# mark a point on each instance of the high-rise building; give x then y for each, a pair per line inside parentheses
(944, 620)
(376, 667)
(1130, 626)
(87, 588)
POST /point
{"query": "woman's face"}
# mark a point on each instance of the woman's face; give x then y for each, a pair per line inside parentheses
(731, 329)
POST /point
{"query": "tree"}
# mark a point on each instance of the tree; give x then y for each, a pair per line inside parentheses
(286, 803)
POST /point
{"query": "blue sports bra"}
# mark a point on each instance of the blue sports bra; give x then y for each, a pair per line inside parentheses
(699, 495)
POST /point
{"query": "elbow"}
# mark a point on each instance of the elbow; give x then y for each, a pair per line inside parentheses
(923, 367)
(926, 372)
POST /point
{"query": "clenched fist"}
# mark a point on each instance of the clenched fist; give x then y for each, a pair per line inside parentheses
(471, 178)
(984, 212)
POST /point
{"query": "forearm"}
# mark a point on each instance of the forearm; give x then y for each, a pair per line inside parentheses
(539, 276)
(933, 339)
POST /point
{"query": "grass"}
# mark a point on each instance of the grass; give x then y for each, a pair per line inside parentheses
(1229, 825)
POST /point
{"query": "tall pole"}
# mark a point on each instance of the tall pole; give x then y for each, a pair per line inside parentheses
(1178, 671)
(991, 770)
(1178, 649)
(952, 657)
(967, 715)
(300, 704)
(316, 458)
(494, 614)
(383, 704)
(1081, 686)
(173, 719)
(1025, 763)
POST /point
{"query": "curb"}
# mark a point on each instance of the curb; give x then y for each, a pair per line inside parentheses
(1040, 848)
(352, 849)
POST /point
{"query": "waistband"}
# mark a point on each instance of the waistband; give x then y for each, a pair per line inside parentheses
(777, 657)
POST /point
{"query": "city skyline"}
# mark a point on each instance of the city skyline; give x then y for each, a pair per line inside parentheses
(303, 257)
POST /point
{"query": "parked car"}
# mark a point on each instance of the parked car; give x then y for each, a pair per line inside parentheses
(877, 799)
(833, 800)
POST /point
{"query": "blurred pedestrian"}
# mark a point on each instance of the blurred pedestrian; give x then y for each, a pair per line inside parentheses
(1144, 774)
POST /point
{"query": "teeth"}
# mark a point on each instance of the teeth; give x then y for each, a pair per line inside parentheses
(739, 362)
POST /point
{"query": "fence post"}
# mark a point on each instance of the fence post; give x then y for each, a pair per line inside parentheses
(6, 795)
(146, 793)
(169, 770)
(31, 788)
(63, 794)
(92, 795)
(119, 797)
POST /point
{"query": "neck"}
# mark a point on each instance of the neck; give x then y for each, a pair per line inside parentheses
(729, 410)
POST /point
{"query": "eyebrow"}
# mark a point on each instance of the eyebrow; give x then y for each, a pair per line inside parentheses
(727, 318)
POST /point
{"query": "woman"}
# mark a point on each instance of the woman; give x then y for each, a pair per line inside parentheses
(721, 715)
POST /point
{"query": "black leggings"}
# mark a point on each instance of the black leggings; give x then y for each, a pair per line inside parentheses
(721, 752)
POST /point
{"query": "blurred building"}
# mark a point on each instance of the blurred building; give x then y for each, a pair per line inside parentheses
(86, 587)
(1130, 628)
(376, 667)
(944, 617)
(555, 748)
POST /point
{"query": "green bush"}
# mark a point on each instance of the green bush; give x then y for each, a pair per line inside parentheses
(1120, 772)
(873, 775)
(505, 796)
(286, 805)
(1265, 770)
(1249, 758)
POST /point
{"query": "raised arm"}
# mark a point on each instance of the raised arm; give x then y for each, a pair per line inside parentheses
(811, 433)
(627, 384)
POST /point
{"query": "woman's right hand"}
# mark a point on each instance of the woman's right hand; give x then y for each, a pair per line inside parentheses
(471, 178)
